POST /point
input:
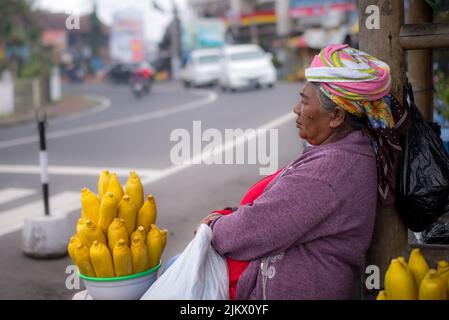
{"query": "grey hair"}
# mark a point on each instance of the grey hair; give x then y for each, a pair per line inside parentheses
(326, 104)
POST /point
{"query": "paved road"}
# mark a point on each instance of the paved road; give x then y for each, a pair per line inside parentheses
(123, 134)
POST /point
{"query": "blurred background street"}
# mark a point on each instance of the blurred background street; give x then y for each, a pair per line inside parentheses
(114, 79)
(129, 135)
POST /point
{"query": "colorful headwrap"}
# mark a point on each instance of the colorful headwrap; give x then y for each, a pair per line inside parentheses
(356, 81)
(360, 84)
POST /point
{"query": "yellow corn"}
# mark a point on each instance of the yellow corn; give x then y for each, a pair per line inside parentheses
(114, 186)
(108, 211)
(73, 244)
(399, 282)
(443, 272)
(147, 213)
(87, 232)
(418, 266)
(117, 231)
(432, 288)
(164, 234)
(154, 243)
(90, 205)
(128, 212)
(83, 262)
(122, 259)
(139, 254)
(140, 232)
(102, 260)
(382, 295)
(134, 188)
(103, 183)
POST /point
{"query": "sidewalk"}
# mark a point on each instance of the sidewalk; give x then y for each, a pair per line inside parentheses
(69, 104)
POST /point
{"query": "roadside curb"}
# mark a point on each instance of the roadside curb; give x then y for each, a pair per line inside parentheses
(75, 107)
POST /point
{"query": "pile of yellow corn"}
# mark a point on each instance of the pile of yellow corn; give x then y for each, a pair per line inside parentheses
(117, 234)
(415, 279)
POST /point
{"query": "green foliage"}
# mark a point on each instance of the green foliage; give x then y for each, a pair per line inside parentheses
(442, 91)
(18, 28)
(95, 32)
(17, 24)
(439, 4)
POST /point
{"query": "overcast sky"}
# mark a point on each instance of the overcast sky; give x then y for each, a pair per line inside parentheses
(155, 21)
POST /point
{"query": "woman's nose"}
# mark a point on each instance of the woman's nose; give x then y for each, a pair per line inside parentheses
(297, 109)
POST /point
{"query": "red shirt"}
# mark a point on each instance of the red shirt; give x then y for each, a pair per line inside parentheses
(236, 267)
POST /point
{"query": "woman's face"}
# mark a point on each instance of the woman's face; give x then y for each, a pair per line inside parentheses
(314, 124)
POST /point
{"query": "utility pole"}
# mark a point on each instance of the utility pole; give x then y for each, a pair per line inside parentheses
(283, 29)
(420, 61)
(176, 44)
(382, 41)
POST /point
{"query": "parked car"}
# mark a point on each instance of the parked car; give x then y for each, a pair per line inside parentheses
(120, 73)
(202, 68)
(246, 65)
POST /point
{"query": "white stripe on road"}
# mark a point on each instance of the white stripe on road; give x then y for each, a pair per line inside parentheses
(74, 171)
(147, 176)
(12, 194)
(276, 123)
(12, 220)
(103, 104)
(211, 97)
(11, 223)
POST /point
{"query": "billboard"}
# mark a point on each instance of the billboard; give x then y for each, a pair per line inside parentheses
(204, 33)
(310, 8)
(127, 37)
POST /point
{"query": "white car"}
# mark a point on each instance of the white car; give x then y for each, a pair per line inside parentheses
(202, 68)
(246, 65)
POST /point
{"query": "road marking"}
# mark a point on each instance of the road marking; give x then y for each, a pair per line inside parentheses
(74, 171)
(211, 97)
(103, 104)
(12, 220)
(12, 194)
(275, 123)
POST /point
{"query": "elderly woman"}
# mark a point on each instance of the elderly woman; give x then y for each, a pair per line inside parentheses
(305, 235)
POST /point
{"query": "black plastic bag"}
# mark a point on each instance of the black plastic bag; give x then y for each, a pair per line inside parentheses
(424, 178)
(438, 233)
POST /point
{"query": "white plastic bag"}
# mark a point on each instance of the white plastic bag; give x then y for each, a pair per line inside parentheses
(199, 273)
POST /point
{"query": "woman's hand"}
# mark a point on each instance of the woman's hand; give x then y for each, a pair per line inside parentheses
(209, 218)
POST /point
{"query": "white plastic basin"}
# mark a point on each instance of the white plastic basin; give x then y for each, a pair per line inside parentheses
(130, 287)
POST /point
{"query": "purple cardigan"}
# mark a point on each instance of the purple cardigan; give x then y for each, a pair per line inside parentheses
(307, 234)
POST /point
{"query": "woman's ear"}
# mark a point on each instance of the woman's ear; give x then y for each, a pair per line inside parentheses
(338, 117)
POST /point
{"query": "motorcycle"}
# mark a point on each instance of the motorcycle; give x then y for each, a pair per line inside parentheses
(140, 84)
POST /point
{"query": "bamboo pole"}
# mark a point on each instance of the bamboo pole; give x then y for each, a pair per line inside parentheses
(420, 61)
(424, 35)
(390, 234)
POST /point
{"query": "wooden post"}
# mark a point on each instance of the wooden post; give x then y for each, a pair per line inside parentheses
(424, 36)
(390, 233)
(420, 61)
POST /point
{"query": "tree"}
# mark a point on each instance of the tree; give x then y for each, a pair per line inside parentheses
(18, 28)
(95, 33)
